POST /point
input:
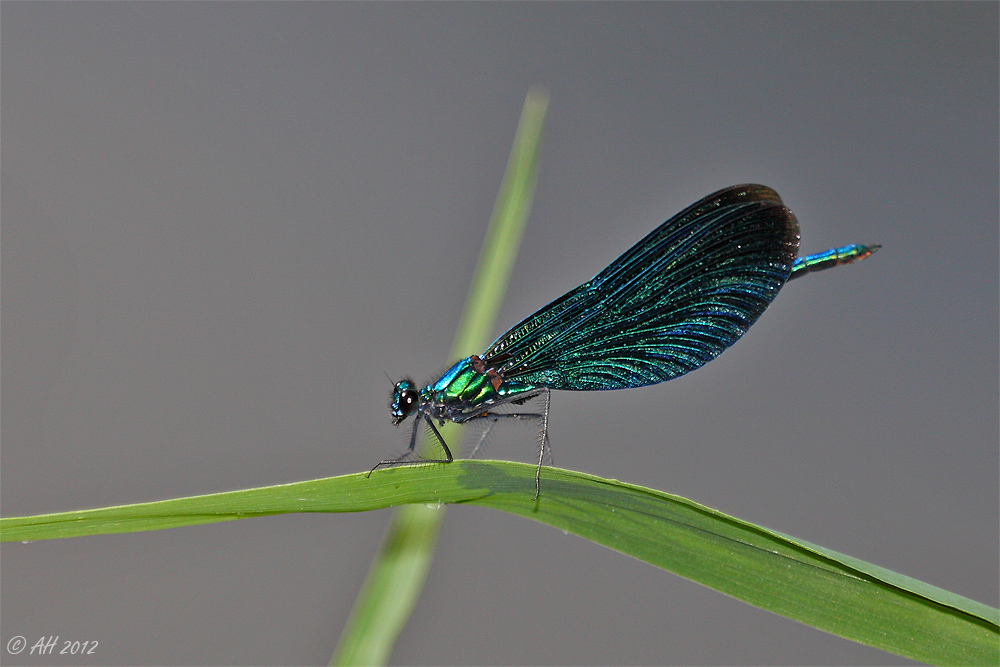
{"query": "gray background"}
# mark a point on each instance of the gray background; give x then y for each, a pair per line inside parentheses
(223, 224)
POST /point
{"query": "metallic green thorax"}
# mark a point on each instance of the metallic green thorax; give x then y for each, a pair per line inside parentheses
(470, 388)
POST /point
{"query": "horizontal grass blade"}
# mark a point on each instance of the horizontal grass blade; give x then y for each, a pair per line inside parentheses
(804, 582)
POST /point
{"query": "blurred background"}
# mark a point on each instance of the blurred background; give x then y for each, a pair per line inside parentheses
(225, 223)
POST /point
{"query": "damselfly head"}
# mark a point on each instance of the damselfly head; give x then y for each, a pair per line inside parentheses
(405, 399)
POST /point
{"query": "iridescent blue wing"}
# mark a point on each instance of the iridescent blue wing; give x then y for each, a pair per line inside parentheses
(674, 301)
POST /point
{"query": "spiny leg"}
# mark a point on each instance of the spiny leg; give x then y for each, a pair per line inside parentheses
(444, 445)
(404, 461)
(543, 443)
(544, 449)
(493, 418)
(482, 438)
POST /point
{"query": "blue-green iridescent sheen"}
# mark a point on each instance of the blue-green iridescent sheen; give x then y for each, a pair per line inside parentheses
(673, 302)
(670, 304)
(834, 257)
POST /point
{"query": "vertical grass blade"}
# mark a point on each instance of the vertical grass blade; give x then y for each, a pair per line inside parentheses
(397, 575)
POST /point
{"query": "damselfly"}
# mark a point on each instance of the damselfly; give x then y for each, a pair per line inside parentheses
(673, 302)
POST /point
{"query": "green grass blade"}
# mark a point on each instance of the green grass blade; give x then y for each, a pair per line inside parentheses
(503, 236)
(392, 586)
(810, 584)
(400, 568)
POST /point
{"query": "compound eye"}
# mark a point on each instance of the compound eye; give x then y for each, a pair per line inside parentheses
(405, 399)
(409, 400)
